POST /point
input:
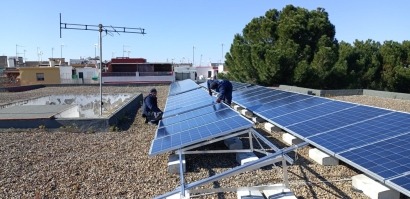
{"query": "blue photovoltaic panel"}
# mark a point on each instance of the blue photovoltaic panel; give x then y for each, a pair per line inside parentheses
(335, 120)
(384, 159)
(188, 106)
(205, 85)
(275, 101)
(401, 183)
(239, 85)
(245, 90)
(291, 107)
(258, 98)
(192, 114)
(246, 93)
(195, 122)
(362, 133)
(182, 86)
(307, 114)
(188, 98)
(176, 138)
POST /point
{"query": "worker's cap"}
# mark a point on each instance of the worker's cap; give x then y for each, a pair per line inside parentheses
(214, 85)
(153, 90)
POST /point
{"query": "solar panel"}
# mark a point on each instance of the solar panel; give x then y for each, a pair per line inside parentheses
(239, 85)
(237, 93)
(248, 93)
(192, 114)
(401, 184)
(188, 106)
(383, 159)
(306, 114)
(187, 99)
(362, 133)
(205, 85)
(259, 97)
(275, 101)
(182, 86)
(197, 129)
(291, 107)
(335, 120)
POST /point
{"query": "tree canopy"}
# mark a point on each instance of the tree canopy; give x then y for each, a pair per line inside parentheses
(296, 46)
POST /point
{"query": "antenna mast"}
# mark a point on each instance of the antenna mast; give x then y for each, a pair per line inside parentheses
(101, 28)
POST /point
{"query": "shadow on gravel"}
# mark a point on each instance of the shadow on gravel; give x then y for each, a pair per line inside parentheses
(196, 162)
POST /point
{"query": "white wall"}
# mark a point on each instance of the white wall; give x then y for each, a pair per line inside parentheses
(137, 78)
(66, 72)
(88, 72)
(204, 71)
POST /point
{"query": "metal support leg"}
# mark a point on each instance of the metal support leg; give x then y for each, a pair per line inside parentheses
(181, 174)
(285, 173)
(250, 140)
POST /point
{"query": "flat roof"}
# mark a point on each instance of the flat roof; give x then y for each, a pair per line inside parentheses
(32, 111)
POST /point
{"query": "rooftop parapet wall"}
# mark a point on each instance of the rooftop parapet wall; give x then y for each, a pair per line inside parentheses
(346, 92)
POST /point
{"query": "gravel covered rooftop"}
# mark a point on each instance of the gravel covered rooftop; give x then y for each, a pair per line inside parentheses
(64, 163)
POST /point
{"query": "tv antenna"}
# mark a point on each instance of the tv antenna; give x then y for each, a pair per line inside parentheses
(101, 28)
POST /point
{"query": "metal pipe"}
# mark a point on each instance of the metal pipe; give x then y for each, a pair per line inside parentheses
(181, 174)
(285, 173)
(101, 102)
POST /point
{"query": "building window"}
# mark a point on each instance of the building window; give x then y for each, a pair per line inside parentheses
(40, 76)
(209, 73)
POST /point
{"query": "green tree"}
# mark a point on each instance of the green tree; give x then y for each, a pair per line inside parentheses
(394, 58)
(273, 45)
(323, 64)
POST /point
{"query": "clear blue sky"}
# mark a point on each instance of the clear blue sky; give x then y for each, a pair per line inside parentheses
(173, 27)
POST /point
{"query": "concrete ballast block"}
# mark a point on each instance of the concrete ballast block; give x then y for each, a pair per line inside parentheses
(322, 158)
(173, 164)
(279, 194)
(290, 139)
(271, 128)
(256, 119)
(233, 143)
(237, 108)
(249, 195)
(246, 113)
(243, 158)
(373, 189)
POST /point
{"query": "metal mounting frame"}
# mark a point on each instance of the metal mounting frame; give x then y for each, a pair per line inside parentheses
(264, 161)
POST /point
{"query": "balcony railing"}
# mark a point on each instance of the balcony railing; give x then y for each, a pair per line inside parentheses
(167, 73)
(118, 74)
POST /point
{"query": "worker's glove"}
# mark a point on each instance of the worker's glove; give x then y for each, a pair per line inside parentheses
(218, 100)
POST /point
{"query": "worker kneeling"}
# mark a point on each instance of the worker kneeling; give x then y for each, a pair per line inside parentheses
(151, 112)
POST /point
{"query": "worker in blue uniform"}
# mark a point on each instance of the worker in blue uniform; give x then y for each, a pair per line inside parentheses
(151, 112)
(224, 88)
(209, 82)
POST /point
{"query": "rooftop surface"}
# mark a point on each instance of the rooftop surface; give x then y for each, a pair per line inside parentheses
(67, 164)
(32, 111)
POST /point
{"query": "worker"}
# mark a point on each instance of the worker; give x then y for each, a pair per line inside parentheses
(209, 82)
(224, 88)
(151, 112)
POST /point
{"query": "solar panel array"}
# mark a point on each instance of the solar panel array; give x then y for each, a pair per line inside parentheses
(371, 139)
(182, 86)
(191, 117)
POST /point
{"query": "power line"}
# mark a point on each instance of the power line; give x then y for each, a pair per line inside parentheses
(101, 28)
